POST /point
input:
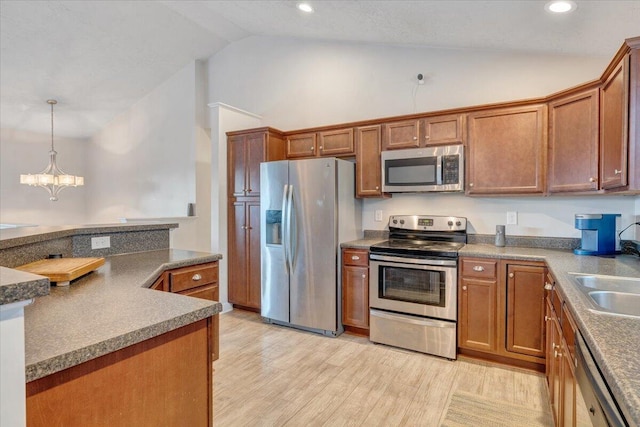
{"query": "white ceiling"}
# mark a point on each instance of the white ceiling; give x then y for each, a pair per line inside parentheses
(99, 57)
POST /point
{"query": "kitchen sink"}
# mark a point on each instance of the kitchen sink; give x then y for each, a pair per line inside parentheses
(615, 295)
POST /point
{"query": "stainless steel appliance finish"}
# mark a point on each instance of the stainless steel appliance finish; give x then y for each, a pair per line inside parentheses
(438, 168)
(595, 404)
(413, 284)
(306, 209)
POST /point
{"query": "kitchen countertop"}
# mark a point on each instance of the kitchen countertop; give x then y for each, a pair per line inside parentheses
(362, 243)
(109, 309)
(18, 285)
(613, 340)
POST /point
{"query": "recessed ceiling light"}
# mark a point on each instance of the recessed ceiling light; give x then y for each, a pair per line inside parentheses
(305, 7)
(560, 6)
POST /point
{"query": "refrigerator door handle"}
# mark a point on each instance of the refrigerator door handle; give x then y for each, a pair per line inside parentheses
(290, 230)
(285, 227)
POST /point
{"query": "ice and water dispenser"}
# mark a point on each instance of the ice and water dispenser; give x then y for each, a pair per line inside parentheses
(274, 227)
(598, 234)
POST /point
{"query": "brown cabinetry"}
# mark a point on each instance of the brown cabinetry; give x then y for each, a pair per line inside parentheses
(507, 151)
(246, 150)
(415, 133)
(501, 310)
(330, 143)
(244, 253)
(355, 290)
(614, 126)
(573, 142)
(368, 172)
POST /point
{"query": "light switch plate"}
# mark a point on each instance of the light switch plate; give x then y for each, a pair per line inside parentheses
(512, 218)
(378, 216)
(101, 242)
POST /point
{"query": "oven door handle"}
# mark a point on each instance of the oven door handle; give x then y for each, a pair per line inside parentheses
(418, 261)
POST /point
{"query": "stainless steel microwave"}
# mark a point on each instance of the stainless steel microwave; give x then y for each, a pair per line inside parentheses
(439, 168)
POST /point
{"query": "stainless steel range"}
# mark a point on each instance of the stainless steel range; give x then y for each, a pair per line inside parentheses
(413, 284)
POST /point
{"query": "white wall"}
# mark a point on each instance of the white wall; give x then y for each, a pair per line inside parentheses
(23, 152)
(142, 164)
(295, 84)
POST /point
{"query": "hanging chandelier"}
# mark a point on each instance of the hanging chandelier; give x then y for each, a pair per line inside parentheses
(53, 179)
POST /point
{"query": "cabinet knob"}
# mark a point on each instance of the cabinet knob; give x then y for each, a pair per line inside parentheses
(415, 138)
(196, 277)
(355, 257)
(592, 179)
(511, 275)
(617, 172)
(426, 137)
(548, 286)
(464, 288)
(248, 190)
(364, 276)
(313, 148)
(478, 268)
(547, 318)
(471, 184)
(320, 147)
(377, 188)
(244, 227)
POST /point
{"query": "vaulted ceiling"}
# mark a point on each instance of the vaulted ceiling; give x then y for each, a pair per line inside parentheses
(99, 57)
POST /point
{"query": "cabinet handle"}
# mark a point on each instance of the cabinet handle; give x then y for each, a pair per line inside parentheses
(244, 227)
(426, 137)
(478, 268)
(355, 257)
(320, 147)
(377, 188)
(196, 277)
(471, 184)
(548, 286)
(547, 318)
(511, 275)
(464, 288)
(592, 179)
(313, 148)
(364, 275)
(617, 172)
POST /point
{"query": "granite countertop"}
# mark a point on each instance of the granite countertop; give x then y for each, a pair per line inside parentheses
(11, 237)
(109, 309)
(18, 285)
(362, 243)
(613, 340)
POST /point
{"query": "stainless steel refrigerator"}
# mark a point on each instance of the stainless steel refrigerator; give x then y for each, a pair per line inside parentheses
(307, 208)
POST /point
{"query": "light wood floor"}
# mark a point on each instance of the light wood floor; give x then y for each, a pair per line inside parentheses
(269, 375)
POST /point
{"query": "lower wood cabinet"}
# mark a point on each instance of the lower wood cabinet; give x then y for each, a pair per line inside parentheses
(244, 253)
(198, 281)
(355, 290)
(501, 311)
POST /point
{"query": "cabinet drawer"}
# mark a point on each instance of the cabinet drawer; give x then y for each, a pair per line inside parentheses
(357, 257)
(193, 277)
(568, 330)
(209, 292)
(481, 268)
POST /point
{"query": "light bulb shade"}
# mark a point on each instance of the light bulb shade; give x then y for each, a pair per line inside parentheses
(79, 180)
(45, 179)
(66, 180)
(28, 179)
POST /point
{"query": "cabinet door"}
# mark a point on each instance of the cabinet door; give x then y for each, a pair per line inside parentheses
(355, 296)
(477, 314)
(404, 134)
(236, 164)
(568, 387)
(211, 293)
(507, 151)
(614, 137)
(368, 172)
(444, 130)
(573, 143)
(253, 247)
(255, 154)
(336, 143)
(555, 388)
(237, 254)
(301, 145)
(525, 309)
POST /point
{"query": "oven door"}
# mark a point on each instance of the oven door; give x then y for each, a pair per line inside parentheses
(424, 287)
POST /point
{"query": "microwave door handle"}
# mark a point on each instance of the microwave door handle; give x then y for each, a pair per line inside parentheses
(439, 170)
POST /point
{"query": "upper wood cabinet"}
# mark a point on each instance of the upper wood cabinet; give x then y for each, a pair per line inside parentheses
(614, 126)
(415, 133)
(507, 151)
(331, 143)
(573, 143)
(368, 172)
(245, 151)
(444, 130)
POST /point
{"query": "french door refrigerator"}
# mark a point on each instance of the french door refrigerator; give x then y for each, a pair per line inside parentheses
(307, 208)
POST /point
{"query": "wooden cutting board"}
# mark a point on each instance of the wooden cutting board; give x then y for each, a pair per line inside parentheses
(62, 270)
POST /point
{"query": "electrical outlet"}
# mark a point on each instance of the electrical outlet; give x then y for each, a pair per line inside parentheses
(378, 216)
(101, 242)
(512, 218)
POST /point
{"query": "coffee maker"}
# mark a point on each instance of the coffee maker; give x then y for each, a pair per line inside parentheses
(598, 234)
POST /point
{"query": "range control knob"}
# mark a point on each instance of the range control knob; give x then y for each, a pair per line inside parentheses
(458, 223)
(450, 223)
(402, 221)
(395, 221)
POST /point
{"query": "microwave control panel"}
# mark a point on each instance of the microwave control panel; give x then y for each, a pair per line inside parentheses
(451, 169)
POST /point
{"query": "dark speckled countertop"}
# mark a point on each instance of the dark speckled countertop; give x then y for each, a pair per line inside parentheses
(613, 340)
(16, 285)
(109, 309)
